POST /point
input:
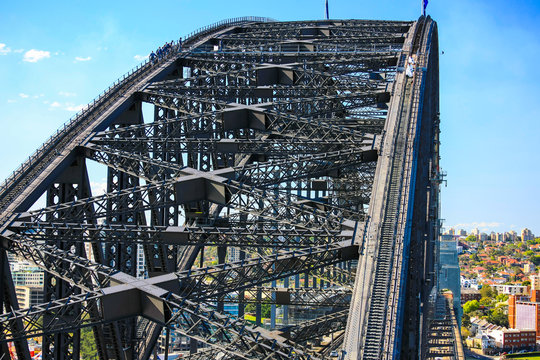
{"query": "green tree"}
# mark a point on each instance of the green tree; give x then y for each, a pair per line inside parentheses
(471, 238)
(498, 317)
(526, 283)
(466, 320)
(478, 313)
(88, 345)
(470, 306)
(486, 301)
(265, 309)
(250, 308)
(535, 259)
(488, 291)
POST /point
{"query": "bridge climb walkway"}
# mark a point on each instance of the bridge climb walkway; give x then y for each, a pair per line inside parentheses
(375, 311)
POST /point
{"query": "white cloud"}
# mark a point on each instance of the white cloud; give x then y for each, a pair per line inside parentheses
(11, 101)
(71, 107)
(25, 96)
(36, 55)
(4, 49)
(483, 224)
(98, 188)
(78, 58)
(66, 94)
(140, 57)
(18, 51)
(68, 106)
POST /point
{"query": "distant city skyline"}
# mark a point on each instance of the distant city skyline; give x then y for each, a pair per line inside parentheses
(56, 57)
(488, 227)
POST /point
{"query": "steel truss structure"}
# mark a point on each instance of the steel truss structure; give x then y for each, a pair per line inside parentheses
(444, 335)
(301, 156)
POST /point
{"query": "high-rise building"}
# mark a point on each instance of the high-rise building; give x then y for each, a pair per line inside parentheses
(449, 273)
(526, 235)
(141, 262)
(462, 232)
(89, 251)
(12, 257)
(535, 282)
(529, 268)
(26, 274)
(524, 311)
(177, 343)
(475, 232)
(233, 254)
(511, 236)
(29, 296)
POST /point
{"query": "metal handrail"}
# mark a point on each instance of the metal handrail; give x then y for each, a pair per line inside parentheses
(127, 78)
(225, 23)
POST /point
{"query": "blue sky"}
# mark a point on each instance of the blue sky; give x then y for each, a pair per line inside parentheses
(57, 56)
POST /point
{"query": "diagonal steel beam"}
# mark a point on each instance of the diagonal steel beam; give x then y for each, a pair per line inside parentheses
(318, 327)
(222, 279)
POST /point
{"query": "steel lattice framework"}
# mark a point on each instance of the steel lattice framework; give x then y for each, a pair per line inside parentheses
(303, 155)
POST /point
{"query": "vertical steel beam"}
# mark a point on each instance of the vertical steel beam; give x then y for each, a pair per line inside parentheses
(68, 187)
(8, 302)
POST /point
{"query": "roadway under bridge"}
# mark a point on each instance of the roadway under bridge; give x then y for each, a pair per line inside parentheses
(255, 165)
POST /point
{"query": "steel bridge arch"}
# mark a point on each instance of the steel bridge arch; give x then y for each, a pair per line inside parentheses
(303, 155)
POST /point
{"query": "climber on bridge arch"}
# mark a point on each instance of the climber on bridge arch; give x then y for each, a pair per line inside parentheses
(410, 67)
